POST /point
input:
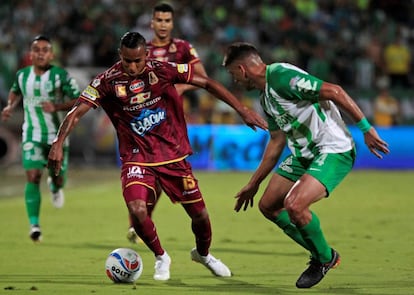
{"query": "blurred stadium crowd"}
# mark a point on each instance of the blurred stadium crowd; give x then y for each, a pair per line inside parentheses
(351, 42)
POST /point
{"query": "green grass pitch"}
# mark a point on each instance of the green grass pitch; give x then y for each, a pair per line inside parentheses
(368, 219)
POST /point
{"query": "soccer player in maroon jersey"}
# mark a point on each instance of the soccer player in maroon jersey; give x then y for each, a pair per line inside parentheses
(146, 110)
(163, 47)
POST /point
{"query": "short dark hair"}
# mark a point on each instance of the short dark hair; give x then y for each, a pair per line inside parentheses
(41, 38)
(163, 7)
(238, 50)
(132, 40)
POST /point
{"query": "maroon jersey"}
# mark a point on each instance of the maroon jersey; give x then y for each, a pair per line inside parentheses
(146, 111)
(178, 51)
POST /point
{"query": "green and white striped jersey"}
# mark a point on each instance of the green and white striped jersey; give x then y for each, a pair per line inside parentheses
(291, 103)
(54, 85)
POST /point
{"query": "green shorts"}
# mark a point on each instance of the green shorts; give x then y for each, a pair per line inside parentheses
(35, 155)
(329, 169)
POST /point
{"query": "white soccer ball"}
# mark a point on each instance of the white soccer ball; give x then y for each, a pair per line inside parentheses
(124, 265)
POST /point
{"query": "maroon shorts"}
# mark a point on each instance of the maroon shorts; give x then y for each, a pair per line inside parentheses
(176, 180)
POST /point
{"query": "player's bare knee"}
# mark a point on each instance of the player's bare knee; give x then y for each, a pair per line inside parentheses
(138, 210)
(267, 212)
(295, 209)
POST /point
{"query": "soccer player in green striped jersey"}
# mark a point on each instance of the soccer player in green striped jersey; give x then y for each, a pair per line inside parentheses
(302, 112)
(46, 91)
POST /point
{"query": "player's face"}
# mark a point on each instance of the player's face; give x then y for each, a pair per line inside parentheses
(162, 24)
(240, 77)
(41, 53)
(133, 60)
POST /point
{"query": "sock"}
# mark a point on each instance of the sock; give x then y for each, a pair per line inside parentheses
(32, 200)
(312, 234)
(283, 221)
(202, 232)
(148, 233)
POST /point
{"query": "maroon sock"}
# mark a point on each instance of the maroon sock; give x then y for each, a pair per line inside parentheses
(148, 233)
(202, 232)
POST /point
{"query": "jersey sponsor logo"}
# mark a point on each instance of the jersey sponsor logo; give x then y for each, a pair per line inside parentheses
(147, 120)
(172, 48)
(95, 83)
(137, 86)
(90, 93)
(283, 120)
(140, 97)
(153, 79)
(182, 68)
(146, 104)
(120, 91)
(302, 84)
(159, 52)
(135, 172)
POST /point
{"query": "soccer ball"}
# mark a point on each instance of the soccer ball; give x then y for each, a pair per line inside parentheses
(124, 265)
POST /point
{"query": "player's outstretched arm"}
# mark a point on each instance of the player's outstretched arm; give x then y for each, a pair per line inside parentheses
(72, 118)
(339, 96)
(270, 157)
(250, 117)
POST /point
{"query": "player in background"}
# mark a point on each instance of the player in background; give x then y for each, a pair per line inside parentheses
(142, 103)
(163, 47)
(46, 90)
(302, 111)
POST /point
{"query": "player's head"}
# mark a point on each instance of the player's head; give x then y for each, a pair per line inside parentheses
(162, 21)
(239, 60)
(133, 52)
(41, 52)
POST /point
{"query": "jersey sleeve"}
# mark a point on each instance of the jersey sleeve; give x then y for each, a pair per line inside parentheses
(293, 83)
(15, 88)
(192, 56)
(70, 86)
(179, 73)
(93, 92)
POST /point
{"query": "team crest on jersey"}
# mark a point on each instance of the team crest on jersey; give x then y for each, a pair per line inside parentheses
(172, 48)
(49, 85)
(120, 91)
(159, 52)
(153, 79)
(137, 86)
(182, 68)
(140, 97)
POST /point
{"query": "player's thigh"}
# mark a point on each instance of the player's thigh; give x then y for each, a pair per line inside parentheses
(179, 183)
(138, 183)
(275, 192)
(322, 175)
(331, 169)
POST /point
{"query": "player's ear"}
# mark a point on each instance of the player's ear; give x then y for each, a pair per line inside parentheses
(242, 69)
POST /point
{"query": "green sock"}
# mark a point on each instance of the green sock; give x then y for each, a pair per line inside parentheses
(314, 237)
(32, 199)
(283, 221)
